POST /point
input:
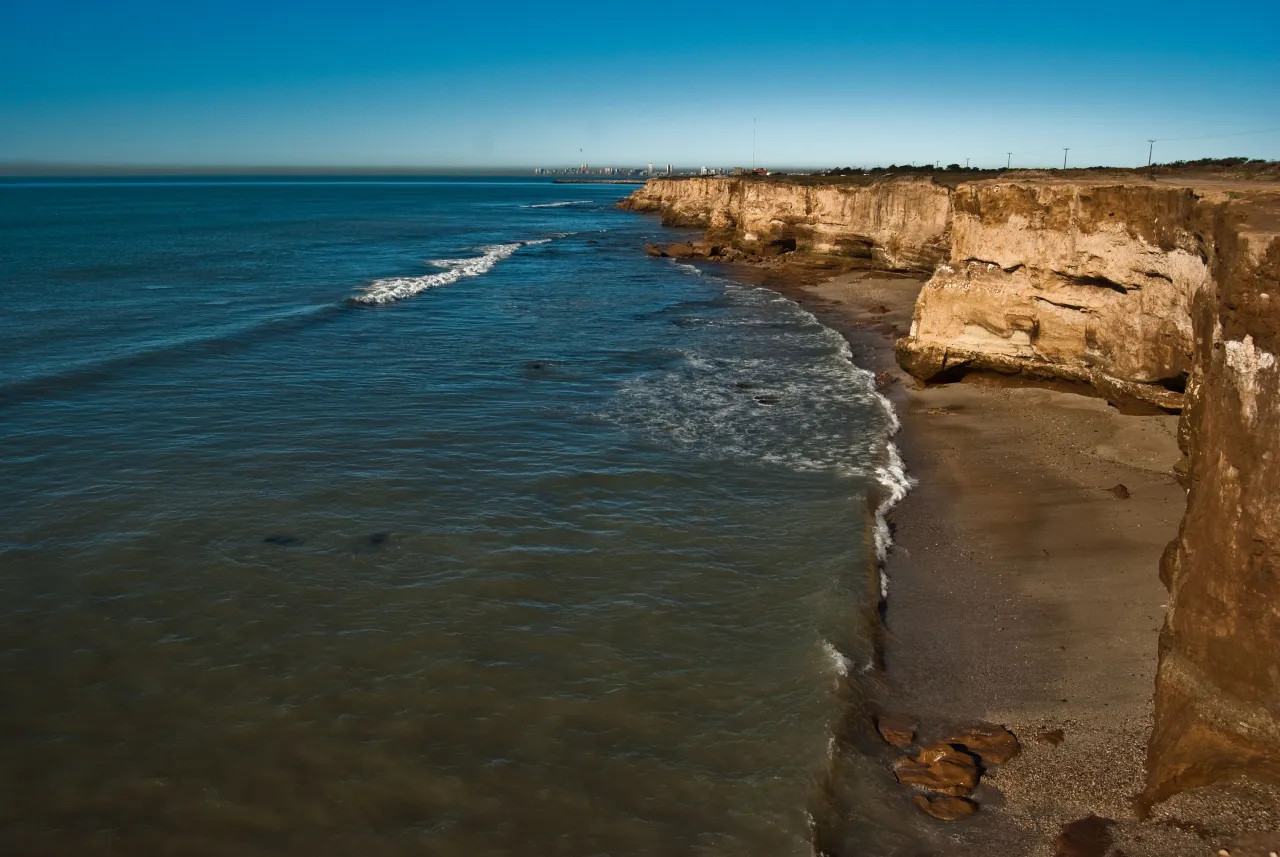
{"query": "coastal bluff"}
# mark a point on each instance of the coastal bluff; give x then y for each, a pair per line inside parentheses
(1158, 295)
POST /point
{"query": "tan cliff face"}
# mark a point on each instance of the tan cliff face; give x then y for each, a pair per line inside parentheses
(1065, 280)
(1142, 290)
(899, 225)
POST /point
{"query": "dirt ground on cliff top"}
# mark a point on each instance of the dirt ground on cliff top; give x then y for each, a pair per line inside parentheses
(1022, 591)
(1260, 177)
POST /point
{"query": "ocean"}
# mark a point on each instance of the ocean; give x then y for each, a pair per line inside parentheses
(423, 516)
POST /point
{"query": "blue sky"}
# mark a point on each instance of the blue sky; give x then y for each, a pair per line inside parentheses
(477, 84)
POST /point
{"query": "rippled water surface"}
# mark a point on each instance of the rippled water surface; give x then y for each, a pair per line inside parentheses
(416, 517)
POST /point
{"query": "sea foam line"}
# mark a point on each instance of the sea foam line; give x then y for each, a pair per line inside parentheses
(895, 482)
(560, 204)
(393, 289)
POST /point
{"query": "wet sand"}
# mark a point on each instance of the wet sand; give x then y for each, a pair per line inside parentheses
(1023, 592)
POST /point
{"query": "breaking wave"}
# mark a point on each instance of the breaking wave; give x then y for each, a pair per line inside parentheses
(393, 289)
(560, 204)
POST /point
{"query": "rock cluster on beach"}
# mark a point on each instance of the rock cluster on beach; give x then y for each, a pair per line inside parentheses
(713, 252)
(945, 772)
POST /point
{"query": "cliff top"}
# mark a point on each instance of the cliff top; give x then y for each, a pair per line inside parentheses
(1265, 175)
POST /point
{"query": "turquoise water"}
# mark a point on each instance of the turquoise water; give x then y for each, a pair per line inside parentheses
(412, 517)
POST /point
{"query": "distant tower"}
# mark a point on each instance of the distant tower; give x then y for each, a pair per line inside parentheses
(650, 169)
(668, 169)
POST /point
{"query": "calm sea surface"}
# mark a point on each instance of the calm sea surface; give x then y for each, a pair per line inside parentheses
(421, 517)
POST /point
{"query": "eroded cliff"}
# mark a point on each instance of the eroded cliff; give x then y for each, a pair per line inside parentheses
(1151, 291)
(898, 225)
(1066, 280)
(1218, 686)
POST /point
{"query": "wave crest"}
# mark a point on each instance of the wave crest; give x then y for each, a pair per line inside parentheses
(393, 289)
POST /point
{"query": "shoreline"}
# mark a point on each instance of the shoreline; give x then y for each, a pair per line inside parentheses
(1022, 591)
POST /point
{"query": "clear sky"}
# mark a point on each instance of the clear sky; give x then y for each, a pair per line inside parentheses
(476, 83)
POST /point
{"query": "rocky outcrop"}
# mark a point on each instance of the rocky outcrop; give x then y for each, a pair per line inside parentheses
(899, 225)
(1065, 280)
(1218, 685)
(1166, 294)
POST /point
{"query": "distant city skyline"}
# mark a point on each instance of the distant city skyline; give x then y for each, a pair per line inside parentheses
(498, 85)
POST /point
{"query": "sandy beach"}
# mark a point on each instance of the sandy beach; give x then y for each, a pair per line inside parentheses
(1023, 591)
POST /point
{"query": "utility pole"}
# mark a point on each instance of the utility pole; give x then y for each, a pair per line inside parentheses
(753, 142)
(966, 163)
(1064, 157)
(1008, 160)
(1151, 144)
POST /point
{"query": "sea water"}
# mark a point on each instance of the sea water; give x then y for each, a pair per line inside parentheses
(414, 517)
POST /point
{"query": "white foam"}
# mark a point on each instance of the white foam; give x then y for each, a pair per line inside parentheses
(398, 288)
(896, 483)
(783, 415)
(560, 204)
(839, 662)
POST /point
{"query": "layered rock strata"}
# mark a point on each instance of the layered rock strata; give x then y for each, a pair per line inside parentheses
(1161, 293)
(1078, 282)
(897, 225)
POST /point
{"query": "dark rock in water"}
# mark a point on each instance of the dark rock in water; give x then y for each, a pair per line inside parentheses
(993, 744)
(377, 540)
(281, 540)
(1085, 837)
(767, 400)
(535, 364)
(657, 250)
(1052, 737)
(592, 241)
(945, 808)
(879, 309)
(1120, 491)
(896, 730)
(744, 385)
(939, 768)
(884, 380)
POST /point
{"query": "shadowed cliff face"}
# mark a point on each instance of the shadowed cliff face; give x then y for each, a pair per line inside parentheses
(1218, 686)
(898, 225)
(1145, 291)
